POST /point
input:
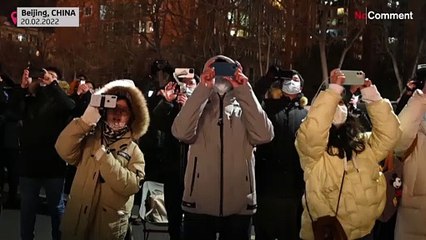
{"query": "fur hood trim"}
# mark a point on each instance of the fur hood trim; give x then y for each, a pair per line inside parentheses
(140, 115)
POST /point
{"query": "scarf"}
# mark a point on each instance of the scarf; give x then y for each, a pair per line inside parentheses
(110, 136)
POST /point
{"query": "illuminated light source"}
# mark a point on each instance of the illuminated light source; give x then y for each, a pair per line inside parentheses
(20, 37)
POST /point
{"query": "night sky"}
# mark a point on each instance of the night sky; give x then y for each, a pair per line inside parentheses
(7, 6)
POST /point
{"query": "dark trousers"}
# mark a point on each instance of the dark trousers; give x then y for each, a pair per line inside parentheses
(173, 192)
(200, 226)
(30, 190)
(69, 178)
(10, 161)
(385, 230)
(277, 218)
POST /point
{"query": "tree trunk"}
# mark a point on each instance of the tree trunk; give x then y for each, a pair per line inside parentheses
(397, 72)
(259, 41)
(416, 61)
(268, 53)
(324, 66)
(345, 51)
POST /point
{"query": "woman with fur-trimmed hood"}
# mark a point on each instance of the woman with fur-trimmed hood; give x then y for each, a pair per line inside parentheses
(110, 165)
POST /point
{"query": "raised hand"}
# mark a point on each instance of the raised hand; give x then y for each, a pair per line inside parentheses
(239, 78)
(207, 77)
(337, 77)
(169, 92)
(25, 80)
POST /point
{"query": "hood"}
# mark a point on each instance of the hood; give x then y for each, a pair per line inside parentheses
(125, 87)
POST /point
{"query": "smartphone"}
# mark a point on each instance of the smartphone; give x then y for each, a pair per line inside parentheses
(103, 101)
(224, 68)
(184, 72)
(354, 77)
(82, 82)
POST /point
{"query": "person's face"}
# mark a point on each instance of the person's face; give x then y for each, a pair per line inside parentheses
(119, 116)
(296, 78)
(90, 86)
(190, 83)
(50, 76)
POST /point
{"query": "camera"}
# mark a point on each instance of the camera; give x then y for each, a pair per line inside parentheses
(103, 101)
(184, 72)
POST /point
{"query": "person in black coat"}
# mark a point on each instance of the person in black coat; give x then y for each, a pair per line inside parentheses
(172, 153)
(279, 177)
(47, 110)
(10, 125)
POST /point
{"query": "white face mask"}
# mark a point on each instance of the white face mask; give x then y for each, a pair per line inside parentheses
(222, 85)
(340, 116)
(291, 87)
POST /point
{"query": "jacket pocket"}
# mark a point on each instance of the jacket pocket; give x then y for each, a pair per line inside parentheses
(194, 171)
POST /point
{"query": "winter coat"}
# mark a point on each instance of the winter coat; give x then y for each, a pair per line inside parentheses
(411, 218)
(171, 153)
(219, 177)
(101, 197)
(45, 115)
(278, 171)
(363, 194)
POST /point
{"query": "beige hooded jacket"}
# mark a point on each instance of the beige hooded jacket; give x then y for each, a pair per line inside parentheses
(101, 197)
(221, 132)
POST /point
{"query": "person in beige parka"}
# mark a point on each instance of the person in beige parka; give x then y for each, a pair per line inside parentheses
(110, 165)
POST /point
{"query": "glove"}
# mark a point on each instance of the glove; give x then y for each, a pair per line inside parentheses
(91, 115)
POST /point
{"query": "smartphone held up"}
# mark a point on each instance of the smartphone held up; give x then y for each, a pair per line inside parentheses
(184, 72)
(354, 77)
(103, 101)
(225, 69)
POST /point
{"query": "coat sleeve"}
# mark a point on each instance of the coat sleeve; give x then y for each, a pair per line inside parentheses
(259, 128)
(123, 180)
(385, 126)
(65, 101)
(411, 118)
(312, 136)
(162, 115)
(70, 141)
(185, 124)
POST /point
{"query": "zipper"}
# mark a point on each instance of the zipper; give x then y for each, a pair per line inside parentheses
(193, 176)
(220, 123)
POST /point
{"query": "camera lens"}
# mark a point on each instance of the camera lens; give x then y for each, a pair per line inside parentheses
(191, 70)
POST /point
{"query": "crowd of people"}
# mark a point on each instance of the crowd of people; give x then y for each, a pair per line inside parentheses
(230, 155)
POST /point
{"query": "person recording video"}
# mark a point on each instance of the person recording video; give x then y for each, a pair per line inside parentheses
(110, 165)
(222, 121)
(171, 152)
(47, 110)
